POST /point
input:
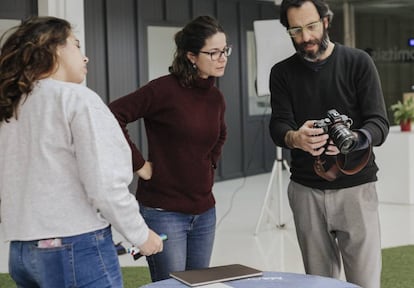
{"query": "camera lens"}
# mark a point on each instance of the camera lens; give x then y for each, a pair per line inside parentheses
(347, 146)
(343, 138)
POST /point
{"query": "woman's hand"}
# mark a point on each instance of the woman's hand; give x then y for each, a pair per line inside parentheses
(146, 171)
(152, 246)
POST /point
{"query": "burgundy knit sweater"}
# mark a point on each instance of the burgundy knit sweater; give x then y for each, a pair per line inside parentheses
(185, 131)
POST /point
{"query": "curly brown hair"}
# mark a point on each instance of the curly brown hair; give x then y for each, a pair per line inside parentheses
(27, 55)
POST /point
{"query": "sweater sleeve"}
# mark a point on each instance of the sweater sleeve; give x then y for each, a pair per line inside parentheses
(371, 100)
(282, 118)
(128, 109)
(104, 164)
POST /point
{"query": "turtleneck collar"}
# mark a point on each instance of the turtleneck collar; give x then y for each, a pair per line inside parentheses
(204, 83)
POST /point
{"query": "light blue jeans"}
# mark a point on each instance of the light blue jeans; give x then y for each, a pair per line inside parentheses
(87, 260)
(190, 240)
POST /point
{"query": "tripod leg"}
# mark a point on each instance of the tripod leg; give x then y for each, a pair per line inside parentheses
(280, 187)
(268, 191)
(276, 172)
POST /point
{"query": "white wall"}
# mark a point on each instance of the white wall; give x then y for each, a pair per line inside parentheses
(71, 10)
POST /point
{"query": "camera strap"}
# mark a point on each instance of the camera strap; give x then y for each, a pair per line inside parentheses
(339, 166)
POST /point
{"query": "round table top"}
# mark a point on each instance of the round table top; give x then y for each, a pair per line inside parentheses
(270, 280)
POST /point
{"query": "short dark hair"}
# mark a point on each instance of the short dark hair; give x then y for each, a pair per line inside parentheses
(321, 6)
(191, 39)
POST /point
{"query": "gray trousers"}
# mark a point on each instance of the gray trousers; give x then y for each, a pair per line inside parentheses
(334, 223)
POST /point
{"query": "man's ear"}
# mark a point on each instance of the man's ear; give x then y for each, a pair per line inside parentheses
(327, 20)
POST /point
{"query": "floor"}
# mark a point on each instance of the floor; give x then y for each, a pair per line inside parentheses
(269, 242)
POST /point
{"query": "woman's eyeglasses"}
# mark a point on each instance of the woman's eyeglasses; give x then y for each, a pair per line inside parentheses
(215, 55)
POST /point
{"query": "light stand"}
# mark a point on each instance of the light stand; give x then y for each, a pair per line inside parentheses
(276, 171)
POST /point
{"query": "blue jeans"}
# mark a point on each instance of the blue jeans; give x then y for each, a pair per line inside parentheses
(190, 240)
(86, 260)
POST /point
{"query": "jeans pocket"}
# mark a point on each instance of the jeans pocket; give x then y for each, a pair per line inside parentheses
(55, 266)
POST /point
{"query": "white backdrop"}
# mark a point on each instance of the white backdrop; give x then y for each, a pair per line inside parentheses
(273, 44)
(161, 48)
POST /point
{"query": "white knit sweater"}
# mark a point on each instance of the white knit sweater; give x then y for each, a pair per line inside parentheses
(65, 167)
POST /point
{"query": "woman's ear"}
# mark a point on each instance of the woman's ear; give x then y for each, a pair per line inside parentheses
(192, 57)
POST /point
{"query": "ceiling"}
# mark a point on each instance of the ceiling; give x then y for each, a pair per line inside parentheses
(375, 4)
(363, 2)
(403, 8)
(399, 8)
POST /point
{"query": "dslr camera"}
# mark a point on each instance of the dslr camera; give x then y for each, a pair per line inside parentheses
(337, 127)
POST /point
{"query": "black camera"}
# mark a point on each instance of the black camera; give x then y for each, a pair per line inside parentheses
(337, 126)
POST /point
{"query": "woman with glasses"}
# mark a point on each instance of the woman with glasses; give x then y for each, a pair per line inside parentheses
(183, 114)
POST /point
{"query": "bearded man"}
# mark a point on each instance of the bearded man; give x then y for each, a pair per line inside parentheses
(332, 190)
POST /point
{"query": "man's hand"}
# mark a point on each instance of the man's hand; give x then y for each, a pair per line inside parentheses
(146, 171)
(332, 149)
(308, 139)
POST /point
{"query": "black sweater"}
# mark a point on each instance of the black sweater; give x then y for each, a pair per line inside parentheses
(348, 82)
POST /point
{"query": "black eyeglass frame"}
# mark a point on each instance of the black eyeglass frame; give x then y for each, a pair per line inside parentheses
(216, 55)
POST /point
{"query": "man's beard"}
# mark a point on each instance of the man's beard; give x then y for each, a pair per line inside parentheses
(322, 43)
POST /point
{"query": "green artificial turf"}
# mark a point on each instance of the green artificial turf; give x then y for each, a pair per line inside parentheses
(6, 281)
(135, 277)
(397, 271)
(398, 267)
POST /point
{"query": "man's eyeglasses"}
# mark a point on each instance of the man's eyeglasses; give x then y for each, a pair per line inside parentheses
(311, 27)
(215, 55)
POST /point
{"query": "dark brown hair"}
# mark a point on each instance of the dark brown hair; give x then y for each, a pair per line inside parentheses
(191, 39)
(321, 6)
(28, 54)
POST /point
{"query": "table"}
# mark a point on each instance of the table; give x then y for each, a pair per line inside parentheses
(270, 280)
(395, 159)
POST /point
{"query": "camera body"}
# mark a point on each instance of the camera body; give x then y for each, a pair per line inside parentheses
(337, 127)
